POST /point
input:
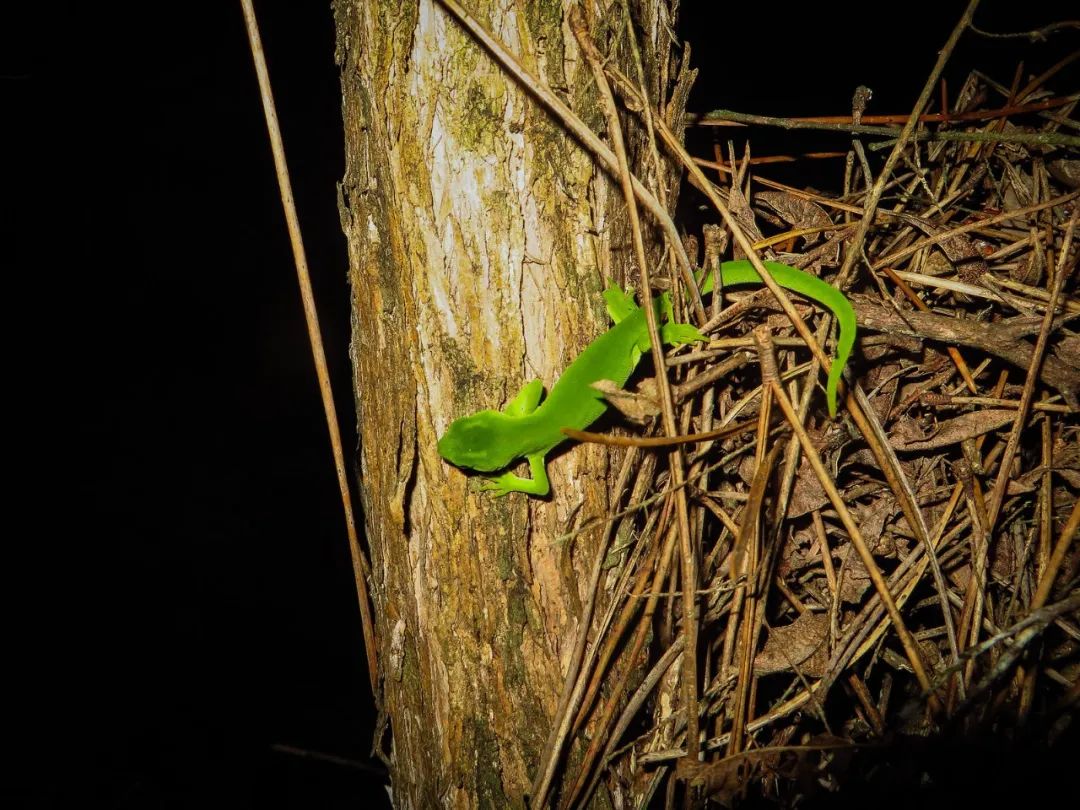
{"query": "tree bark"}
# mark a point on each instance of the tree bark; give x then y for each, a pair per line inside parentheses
(480, 236)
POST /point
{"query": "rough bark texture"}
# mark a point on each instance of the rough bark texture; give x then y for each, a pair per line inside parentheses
(480, 236)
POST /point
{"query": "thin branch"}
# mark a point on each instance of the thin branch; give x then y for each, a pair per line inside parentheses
(1064, 270)
(894, 133)
(311, 316)
(1036, 35)
(876, 577)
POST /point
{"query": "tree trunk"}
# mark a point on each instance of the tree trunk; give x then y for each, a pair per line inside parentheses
(480, 236)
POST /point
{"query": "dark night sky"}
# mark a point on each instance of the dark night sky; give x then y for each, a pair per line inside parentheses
(180, 597)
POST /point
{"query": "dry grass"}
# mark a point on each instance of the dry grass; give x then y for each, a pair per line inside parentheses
(908, 571)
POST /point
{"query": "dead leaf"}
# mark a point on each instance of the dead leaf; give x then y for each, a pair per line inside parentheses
(1066, 460)
(800, 644)
(906, 438)
(800, 551)
(871, 519)
(1019, 185)
(960, 576)
(1066, 172)
(960, 249)
(1067, 349)
(807, 494)
(798, 212)
(1003, 558)
(725, 779)
(853, 576)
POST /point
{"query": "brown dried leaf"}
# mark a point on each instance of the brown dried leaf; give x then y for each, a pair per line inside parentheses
(1066, 458)
(800, 644)
(1019, 185)
(960, 249)
(724, 780)
(1004, 339)
(871, 519)
(797, 552)
(854, 578)
(884, 381)
(797, 212)
(807, 494)
(1003, 558)
(1066, 172)
(1067, 349)
(931, 654)
(1066, 463)
(908, 435)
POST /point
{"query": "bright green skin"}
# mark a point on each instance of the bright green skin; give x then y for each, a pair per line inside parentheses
(490, 440)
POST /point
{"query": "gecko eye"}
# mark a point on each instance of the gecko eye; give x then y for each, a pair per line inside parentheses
(462, 440)
(475, 442)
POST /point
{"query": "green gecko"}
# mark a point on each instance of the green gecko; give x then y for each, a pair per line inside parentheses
(491, 440)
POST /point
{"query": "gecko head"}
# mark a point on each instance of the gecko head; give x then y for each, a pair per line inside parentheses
(479, 441)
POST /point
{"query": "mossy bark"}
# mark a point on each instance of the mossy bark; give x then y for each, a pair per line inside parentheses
(480, 235)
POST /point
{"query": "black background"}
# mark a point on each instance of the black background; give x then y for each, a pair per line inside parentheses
(178, 591)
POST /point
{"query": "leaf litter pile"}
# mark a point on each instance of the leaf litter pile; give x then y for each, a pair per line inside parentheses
(906, 572)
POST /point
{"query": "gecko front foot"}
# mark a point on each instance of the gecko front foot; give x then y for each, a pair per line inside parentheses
(501, 484)
(504, 484)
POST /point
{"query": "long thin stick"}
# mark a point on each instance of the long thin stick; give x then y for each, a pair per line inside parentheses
(876, 577)
(663, 386)
(1027, 396)
(718, 117)
(311, 315)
